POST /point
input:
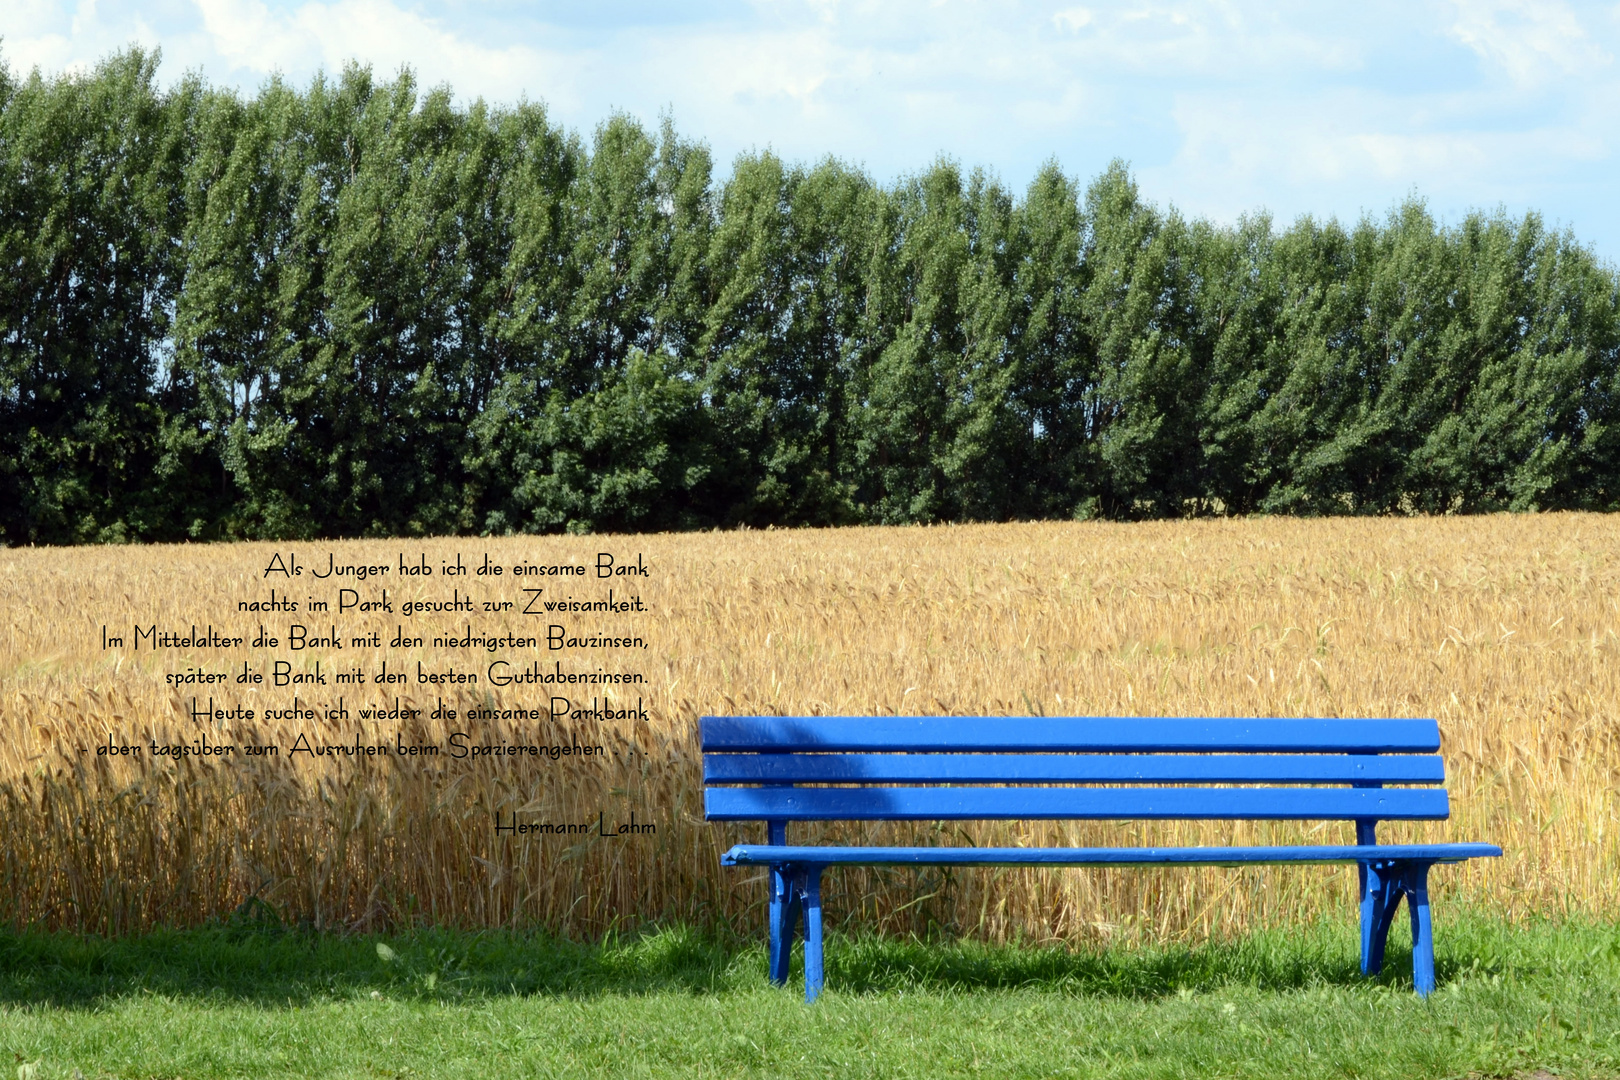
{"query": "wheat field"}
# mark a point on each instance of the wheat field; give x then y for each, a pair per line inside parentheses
(1502, 628)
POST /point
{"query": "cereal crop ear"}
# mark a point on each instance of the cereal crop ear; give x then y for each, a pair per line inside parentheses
(1500, 627)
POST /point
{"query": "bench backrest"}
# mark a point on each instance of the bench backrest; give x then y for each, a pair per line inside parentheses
(897, 768)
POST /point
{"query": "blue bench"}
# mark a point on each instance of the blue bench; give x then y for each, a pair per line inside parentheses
(779, 769)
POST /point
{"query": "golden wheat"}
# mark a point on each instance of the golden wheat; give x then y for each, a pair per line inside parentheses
(1503, 628)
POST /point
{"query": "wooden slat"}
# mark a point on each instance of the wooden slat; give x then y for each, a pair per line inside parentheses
(1032, 734)
(756, 855)
(1100, 803)
(1072, 768)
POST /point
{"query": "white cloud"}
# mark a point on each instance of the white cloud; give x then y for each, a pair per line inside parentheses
(1072, 19)
(1532, 41)
(297, 41)
(245, 34)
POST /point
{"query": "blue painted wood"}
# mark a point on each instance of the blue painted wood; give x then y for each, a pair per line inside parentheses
(1415, 880)
(1072, 768)
(784, 921)
(1097, 803)
(1093, 734)
(784, 912)
(778, 752)
(1385, 883)
(1366, 835)
(755, 854)
(813, 972)
(1375, 897)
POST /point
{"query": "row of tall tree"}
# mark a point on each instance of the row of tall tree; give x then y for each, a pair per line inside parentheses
(360, 309)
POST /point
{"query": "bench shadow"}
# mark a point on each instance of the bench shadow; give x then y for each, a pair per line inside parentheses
(1266, 964)
(278, 967)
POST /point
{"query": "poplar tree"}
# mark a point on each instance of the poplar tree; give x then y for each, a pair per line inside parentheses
(359, 308)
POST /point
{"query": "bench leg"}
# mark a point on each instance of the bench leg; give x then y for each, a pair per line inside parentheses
(1369, 915)
(1380, 896)
(813, 975)
(1385, 884)
(1416, 881)
(784, 921)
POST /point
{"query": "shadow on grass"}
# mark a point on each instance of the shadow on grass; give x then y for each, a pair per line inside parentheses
(275, 966)
(1267, 962)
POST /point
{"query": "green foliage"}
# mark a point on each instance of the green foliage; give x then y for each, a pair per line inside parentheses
(361, 309)
(92, 439)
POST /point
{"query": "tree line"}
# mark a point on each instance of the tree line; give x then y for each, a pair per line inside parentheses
(358, 309)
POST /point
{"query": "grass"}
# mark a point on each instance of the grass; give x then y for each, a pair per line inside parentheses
(257, 1000)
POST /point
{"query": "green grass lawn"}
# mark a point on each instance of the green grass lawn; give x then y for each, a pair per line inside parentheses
(259, 1001)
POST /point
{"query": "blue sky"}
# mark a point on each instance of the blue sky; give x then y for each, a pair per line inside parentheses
(1221, 108)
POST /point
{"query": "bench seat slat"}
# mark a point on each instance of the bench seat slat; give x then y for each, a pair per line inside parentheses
(1096, 803)
(1096, 734)
(760, 854)
(1072, 768)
